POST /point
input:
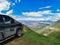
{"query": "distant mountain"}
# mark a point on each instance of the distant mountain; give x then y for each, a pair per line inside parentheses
(28, 22)
(47, 28)
(35, 25)
(52, 30)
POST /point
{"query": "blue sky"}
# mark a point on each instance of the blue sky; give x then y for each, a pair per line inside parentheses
(31, 9)
(34, 5)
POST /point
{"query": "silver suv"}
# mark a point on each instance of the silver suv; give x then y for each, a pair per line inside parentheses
(9, 27)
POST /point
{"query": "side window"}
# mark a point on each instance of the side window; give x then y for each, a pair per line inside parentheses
(12, 20)
(7, 20)
(1, 20)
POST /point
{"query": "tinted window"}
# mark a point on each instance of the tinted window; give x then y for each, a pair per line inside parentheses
(12, 20)
(7, 20)
(1, 19)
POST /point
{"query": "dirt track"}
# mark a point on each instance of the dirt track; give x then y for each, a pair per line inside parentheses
(18, 41)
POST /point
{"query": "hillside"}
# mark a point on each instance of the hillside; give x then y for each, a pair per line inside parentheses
(31, 38)
(50, 30)
(56, 24)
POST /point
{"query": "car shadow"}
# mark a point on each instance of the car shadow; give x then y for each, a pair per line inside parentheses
(9, 40)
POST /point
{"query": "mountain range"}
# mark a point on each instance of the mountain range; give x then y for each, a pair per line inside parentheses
(52, 30)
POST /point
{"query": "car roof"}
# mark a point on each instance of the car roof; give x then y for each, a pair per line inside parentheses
(3, 15)
(6, 16)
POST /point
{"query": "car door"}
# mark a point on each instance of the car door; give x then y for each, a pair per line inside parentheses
(7, 23)
(13, 26)
(1, 27)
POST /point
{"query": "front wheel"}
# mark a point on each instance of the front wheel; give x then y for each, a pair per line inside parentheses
(18, 33)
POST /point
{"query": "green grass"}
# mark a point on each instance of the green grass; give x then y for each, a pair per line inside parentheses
(55, 34)
(41, 40)
(37, 39)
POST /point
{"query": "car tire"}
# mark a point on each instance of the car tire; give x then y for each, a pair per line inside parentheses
(18, 33)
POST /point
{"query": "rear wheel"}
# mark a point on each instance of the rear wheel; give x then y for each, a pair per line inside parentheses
(18, 33)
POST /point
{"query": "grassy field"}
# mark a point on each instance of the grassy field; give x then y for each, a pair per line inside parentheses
(31, 38)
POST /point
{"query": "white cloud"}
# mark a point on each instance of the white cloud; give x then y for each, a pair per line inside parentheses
(54, 18)
(45, 7)
(9, 12)
(31, 13)
(57, 16)
(51, 18)
(30, 18)
(4, 5)
(38, 13)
